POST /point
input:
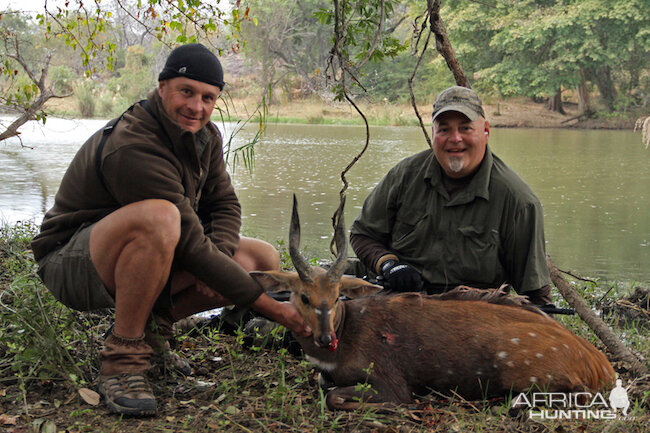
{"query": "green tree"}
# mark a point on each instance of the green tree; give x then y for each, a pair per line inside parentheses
(134, 80)
(389, 79)
(84, 28)
(534, 48)
(284, 37)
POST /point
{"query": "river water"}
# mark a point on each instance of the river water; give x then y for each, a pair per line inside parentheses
(594, 185)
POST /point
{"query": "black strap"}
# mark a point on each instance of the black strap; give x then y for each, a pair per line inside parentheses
(108, 130)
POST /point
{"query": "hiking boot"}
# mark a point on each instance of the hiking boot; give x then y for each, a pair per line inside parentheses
(128, 394)
(121, 376)
(124, 355)
(159, 334)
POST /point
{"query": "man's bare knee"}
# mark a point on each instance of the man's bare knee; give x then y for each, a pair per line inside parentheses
(269, 257)
(160, 219)
(151, 224)
(257, 255)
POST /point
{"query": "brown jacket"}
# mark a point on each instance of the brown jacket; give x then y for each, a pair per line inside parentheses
(140, 162)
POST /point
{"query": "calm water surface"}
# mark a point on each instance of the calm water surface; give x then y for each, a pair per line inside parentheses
(594, 185)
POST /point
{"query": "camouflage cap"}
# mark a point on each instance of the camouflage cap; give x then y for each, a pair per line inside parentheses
(461, 99)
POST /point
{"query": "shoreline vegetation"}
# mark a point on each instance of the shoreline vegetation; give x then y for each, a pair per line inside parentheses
(510, 113)
(506, 113)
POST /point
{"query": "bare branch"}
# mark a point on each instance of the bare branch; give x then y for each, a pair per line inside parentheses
(443, 46)
(600, 328)
(410, 84)
(28, 113)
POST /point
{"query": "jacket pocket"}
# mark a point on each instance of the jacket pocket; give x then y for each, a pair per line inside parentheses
(406, 231)
(479, 255)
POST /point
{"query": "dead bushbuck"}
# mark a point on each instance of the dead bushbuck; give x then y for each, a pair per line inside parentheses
(472, 342)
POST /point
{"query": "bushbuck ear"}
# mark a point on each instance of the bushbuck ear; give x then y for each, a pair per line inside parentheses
(354, 287)
(273, 281)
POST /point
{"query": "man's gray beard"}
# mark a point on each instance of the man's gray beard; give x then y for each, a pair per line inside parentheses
(456, 164)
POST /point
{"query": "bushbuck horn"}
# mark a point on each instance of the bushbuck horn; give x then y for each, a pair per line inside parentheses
(335, 273)
(305, 271)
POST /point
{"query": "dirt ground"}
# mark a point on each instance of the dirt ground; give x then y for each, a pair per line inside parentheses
(518, 113)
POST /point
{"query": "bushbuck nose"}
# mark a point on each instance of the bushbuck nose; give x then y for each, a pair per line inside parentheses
(325, 339)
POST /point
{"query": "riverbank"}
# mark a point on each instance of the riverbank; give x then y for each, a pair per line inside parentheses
(507, 113)
(510, 113)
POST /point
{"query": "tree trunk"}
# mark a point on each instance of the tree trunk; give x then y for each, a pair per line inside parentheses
(28, 113)
(443, 46)
(583, 94)
(603, 79)
(555, 102)
(600, 328)
(268, 75)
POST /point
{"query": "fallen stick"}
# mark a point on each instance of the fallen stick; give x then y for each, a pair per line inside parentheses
(600, 328)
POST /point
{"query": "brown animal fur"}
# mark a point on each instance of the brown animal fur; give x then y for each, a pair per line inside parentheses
(474, 344)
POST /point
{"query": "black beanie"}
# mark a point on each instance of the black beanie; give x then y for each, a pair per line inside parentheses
(193, 61)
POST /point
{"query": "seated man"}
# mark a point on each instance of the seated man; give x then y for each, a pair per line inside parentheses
(454, 214)
(146, 221)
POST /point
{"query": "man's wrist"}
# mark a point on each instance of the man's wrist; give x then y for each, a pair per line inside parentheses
(387, 266)
(383, 259)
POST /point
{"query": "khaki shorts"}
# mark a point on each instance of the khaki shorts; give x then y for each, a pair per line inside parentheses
(71, 277)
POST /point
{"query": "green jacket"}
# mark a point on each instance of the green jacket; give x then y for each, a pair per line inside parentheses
(489, 233)
(140, 161)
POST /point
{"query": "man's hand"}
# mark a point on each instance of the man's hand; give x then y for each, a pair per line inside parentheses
(401, 277)
(291, 319)
(285, 313)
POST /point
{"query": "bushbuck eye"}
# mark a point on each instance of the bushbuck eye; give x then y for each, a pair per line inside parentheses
(304, 299)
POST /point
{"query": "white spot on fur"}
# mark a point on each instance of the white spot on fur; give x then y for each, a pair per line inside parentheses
(514, 340)
(479, 372)
(495, 366)
(502, 355)
(549, 376)
(565, 345)
(363, 310)
(533, 379)
(527, 362)
(554, 349)
(532, 334)
(450, 371)
(539, 355)
(327, 366)
(510, 364)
